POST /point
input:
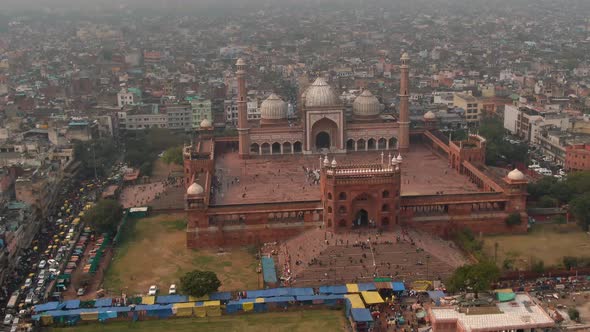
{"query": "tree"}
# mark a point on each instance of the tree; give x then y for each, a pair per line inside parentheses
(96, 154)
(574, 314)
(580, 207)
(173, 155)
(105, 215)
(474, 278)
(513, 219)
(199, 283)
(547, 201)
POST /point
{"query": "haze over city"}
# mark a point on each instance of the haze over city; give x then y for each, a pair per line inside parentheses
(282, 165)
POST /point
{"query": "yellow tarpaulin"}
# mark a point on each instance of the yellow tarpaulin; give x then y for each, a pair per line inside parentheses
(372, 297)
(421, 285)
(183, 305)
(200, 311)
(355, 301)
(248, 306)
(259, 300)
(184, 311)
(352, 288)
(212, 303)
(148, 300)
(89, 315)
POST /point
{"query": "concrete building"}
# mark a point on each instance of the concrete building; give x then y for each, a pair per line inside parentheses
(253, 110)
(201, 110)
(521, 314)
(139, 118)
(470, 104)
(128, 96)
(179, 117)
(39, 188)
(577, 157)
(511, 119)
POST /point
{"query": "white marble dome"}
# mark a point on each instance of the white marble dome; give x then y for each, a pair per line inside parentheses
(273, 108)
(429, 115)
(205, 123)
(195, 189)
(515, 175)
(366, 104)
(320, 93)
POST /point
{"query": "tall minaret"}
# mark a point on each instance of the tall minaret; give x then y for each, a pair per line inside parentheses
(243, 129)
(404, 107)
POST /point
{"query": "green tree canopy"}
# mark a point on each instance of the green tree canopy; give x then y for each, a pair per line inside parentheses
(143, 147)
(580, 207)
(105, 215)
(173, 155)
(199, 283)
(513, 219)
(474, 278)
(100, 153)
(497, 149)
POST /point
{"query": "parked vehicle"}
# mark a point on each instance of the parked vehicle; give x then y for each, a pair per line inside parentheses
(8, 319)
(153, 290)
(172, 290)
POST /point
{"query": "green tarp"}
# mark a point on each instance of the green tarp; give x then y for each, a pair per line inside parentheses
(505, 297)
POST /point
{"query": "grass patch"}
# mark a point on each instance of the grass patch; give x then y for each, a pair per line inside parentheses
(547, 243)
(299, 321)
(154, 252)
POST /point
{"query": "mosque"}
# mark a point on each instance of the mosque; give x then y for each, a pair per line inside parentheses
(341, 172)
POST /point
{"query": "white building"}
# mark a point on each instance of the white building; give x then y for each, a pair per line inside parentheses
(128, 97)
(510, 118)
(253, 110)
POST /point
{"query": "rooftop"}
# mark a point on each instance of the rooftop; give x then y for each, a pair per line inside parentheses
(522, 313)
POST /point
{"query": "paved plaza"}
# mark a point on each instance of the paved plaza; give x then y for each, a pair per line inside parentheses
(289, 178)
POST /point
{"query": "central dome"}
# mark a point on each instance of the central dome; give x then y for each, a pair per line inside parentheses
(320, 94)
(273, 108)
(366, 104)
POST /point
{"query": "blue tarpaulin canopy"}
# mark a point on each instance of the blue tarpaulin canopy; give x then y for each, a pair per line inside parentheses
(279, 299)
(366, 286)
(46, 306)
(222, 296)
(299, 291)
(167, 299)
(268, 270)
(72, 304)
(319, 297)
(436, 295)
(339, 289)
(104, 302)
(398, 286)
(361, 315)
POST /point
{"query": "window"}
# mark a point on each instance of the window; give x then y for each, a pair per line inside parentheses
(385, 194)
(329, 196)
(342, 196)
(342, 210)
(329, 209)
(385, 208)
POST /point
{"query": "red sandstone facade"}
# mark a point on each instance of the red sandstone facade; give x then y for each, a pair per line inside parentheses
(352, 195)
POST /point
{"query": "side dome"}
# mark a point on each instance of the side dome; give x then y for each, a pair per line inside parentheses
(429, 115)
(195, 189)
(515, 175)
(320, 93)
(273, 108)
(205, 123)
(366, 104)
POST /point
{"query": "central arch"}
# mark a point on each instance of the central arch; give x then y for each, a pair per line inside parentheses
(322, 140)
(361, 219)
(325, 134)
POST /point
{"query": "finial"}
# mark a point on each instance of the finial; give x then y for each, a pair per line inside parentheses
(399, 158)
(334, 163)
(381, 157)
(326, 161)
(389, 158)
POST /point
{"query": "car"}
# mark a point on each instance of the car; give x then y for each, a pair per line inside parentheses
(42, 264)
(41, 282)
(29, 298)
(80, 291)
(8, 319)
(172, 290)
(153, 290)
(28, 282)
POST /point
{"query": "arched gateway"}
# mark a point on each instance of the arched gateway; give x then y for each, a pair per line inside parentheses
(356, 195)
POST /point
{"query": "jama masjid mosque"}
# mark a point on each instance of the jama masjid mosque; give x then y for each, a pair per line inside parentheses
(339, 172)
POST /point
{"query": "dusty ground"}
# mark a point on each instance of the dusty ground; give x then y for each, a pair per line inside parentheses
(156, 254)
(545, 242)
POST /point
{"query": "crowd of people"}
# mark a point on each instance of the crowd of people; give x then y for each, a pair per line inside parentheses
(143, 194)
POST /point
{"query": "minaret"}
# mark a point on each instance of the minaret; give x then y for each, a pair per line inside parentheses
(404, 107)
(243, 129)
